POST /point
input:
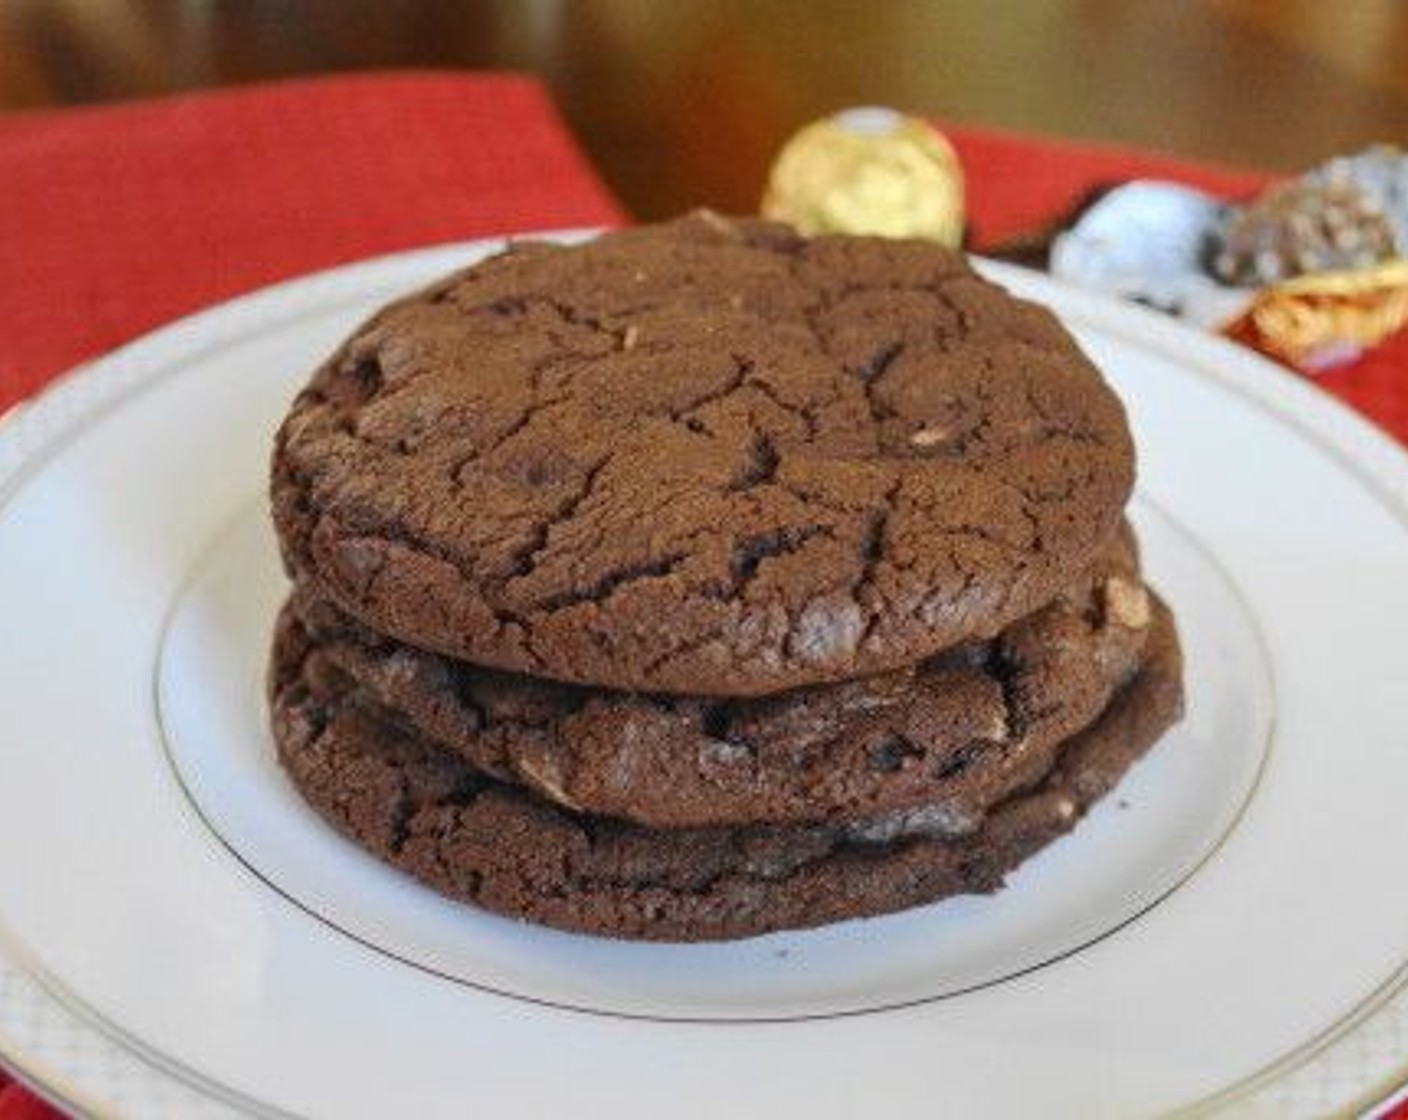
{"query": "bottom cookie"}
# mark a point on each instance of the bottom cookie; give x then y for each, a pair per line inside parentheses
(422, 809)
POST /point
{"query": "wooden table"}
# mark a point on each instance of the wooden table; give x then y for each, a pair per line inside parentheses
(684, 101)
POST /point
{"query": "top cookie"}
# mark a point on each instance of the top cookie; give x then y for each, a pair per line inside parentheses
(707, 456)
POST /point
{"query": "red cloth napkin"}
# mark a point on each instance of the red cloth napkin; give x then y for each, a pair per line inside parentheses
(17, 1104)
(114, 220)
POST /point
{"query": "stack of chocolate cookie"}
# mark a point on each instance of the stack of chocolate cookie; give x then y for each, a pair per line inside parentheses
(705, 580)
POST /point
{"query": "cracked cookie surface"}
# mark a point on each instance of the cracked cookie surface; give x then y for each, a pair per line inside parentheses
(941, 741)
(424, 810)
(705, 457)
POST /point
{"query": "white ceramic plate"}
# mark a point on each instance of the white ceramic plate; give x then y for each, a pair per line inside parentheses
(178, 935)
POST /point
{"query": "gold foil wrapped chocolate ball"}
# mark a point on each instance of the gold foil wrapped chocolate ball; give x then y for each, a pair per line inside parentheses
(869, 171)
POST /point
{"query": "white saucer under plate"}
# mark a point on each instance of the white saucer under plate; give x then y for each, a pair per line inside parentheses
(180, 936)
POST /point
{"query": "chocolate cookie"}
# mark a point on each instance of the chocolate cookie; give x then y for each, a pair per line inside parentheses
(944, 740)
(707, 457)
(426, 811)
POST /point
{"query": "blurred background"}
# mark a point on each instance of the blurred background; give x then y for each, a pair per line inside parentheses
(681, 102)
